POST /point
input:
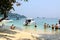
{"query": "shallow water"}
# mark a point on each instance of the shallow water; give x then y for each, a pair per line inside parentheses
(39, 21)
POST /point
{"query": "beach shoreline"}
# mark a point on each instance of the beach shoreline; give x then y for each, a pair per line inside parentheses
(22, 34)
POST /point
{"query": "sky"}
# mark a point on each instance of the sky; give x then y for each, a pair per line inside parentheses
(39, 8)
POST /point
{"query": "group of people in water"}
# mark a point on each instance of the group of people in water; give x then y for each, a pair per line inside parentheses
(56, 26)
(53, 26)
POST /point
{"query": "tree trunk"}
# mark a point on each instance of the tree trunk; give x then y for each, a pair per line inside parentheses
(5, 16)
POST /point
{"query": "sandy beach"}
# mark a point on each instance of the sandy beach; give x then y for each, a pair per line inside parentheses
(29, 19)
(22, 34)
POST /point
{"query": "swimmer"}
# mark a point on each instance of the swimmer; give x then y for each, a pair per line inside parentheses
(52, 26)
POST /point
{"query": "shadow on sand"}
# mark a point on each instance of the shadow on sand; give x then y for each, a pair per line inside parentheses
(7, 31)
(49, 37)
(24, 39)
(7, 37)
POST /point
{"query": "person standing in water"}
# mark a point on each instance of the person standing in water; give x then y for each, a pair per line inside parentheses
(48, 26)
(59, 22)
(53, 26)
(35, 26)
(56, 26)
(45, 25)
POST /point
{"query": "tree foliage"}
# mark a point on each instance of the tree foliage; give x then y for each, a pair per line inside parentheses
(6, 6)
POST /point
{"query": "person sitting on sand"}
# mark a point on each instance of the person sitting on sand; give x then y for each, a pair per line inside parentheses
(52, 26)
(56, 26)
(12, 27)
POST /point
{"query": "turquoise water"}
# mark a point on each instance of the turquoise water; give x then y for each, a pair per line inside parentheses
(39, 21)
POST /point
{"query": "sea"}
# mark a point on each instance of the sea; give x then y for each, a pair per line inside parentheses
(39, 22)
(40, 26)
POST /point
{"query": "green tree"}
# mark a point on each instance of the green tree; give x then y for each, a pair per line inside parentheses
(6, 6)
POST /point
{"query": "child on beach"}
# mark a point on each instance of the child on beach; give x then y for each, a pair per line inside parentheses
(12, 27)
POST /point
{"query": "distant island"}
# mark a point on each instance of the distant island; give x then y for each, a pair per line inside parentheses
(14, 16)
